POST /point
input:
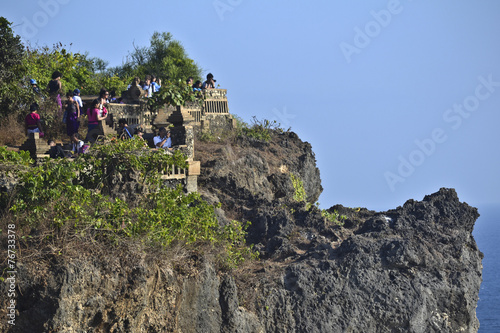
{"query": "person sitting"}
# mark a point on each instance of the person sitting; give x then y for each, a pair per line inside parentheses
(138, 132)
(138, 135)
(123, 131)
(209, 83)
(77, 145)
(55, 151)
(32, 122)
(163, 140)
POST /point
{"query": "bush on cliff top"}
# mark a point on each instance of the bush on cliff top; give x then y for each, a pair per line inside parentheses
(69, 196)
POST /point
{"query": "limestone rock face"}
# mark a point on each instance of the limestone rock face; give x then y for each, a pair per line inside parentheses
(416, 268)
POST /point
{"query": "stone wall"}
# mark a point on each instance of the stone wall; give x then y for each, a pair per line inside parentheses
(135, 114)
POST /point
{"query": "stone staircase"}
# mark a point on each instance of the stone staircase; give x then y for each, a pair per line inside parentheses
(36, 146)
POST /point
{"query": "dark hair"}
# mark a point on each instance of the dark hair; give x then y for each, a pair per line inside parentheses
(56, 74)
(102, 93)
(69, 94)
(138, 129)
(148, 77)
(33, 107)
(95, 102)
(153, 77)
(189, 79)
(76, 135)
(122, 121)
(210, 75)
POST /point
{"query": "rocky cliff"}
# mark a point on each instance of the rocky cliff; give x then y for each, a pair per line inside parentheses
(416, 268)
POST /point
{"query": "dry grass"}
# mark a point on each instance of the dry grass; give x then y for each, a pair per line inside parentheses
(11, 131)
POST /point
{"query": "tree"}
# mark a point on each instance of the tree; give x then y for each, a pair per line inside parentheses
(11, 69)
(165, 58)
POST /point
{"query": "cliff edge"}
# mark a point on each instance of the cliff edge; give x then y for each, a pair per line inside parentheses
(416, 268)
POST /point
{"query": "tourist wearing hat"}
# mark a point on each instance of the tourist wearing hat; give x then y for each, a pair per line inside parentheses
(77, 98)
(35, 87)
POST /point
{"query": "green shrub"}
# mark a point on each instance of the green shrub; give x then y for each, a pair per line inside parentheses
(259, 129)
(70, 195)
(334, 217)
(300, 193)
(13, 157)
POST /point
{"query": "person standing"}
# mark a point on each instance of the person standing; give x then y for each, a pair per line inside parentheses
(72, 113)
(94, 117)
(209, 83)
(155, 86)
(77, 98)
(55, 89)
(32, 122)
(103, 98)
(147, 86)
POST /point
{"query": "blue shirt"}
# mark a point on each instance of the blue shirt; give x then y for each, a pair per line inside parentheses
(156, 86)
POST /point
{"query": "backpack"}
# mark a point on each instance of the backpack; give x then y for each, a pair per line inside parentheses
(83, 149)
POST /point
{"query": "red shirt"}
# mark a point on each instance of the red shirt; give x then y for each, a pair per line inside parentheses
(32, 120)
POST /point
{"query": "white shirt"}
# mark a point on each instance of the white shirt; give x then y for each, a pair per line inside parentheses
(167, 143)
(78, 99)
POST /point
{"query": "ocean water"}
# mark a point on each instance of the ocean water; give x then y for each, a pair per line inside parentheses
(487, 235)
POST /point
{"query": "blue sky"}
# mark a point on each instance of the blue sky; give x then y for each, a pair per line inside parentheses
(397, 98)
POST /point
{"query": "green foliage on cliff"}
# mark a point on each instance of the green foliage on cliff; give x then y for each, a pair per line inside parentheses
(16, 158)
(165, 57)
(258, 129)
(79, 197)
(334, 217)
(11, 69)
(175, 94)
(300, 193)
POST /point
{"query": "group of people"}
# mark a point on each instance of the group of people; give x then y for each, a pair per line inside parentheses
(73, 110)
(162, 140)
(149, 85)
(198, 86)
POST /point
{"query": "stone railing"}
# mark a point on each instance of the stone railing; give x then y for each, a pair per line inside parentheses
(220, 94)
(135, 114)
(215, 101)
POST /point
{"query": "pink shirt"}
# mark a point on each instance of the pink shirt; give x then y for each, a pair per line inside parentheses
(92, 114)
